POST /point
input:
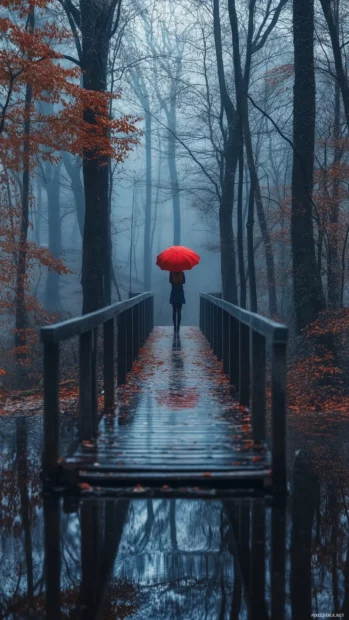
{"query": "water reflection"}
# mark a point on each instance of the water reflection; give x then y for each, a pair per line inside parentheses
(167, 558)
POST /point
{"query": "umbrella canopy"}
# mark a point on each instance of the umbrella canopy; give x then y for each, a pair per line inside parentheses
(177, 258)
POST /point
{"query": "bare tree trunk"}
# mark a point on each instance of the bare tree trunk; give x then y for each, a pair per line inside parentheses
(172, 166)
(334, 267)
(242, 276)
(231, 157)
(148, 205)
(52, 186)
(73, 170)
(241, 85)
(21, 309)
(307, 286)
(96, 259)
(250, 252)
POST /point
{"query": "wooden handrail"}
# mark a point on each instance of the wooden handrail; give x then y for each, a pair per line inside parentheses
(135, 321)
(239, 338)
(80, 324)
(275, 332)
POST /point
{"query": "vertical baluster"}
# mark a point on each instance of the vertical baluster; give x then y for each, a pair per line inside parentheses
(278, 380)
(258, 363)
(122, 358)
(211, 324)
(234, 351)
(86, 388)
(51, 412)
(94, 379)
(129, 339)
(135, 331)
(151, 313)
(108, 350)
(200, 316)
(215, 329)
(225, 342)
(244, 365)
(141, 323)
(219, 333)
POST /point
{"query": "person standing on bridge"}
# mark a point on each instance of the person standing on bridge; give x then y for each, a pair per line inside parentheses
(177, 299)
(176, 260)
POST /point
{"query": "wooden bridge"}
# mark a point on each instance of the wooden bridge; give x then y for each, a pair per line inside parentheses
(184, 410)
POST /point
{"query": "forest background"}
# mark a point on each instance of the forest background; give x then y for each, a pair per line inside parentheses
(218, 124)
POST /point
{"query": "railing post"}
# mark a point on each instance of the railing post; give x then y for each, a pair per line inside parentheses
(86, 386)
(94, 379)
(122, 359)
(201, 314)
(51, 412)
(215, 329)
(108, 363)
(219, 333)
(234, 352)
(225, 342)
(209, 322)
(278, 416)
(136, 331)
(244, 365)
(129, 338)
(258, 363)
(151, 313)
(142, 332)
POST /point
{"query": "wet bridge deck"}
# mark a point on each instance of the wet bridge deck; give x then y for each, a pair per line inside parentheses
(177, 422)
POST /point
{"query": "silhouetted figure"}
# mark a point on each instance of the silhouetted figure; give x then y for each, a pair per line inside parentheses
(177, 299)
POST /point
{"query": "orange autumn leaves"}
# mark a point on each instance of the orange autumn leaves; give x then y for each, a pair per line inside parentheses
(59, 115)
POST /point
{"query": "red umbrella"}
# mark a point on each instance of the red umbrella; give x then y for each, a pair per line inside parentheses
(177, 258)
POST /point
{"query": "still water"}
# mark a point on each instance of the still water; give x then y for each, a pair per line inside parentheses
(192, 559)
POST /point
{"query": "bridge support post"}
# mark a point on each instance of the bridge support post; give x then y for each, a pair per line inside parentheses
(258, 357)
(51, 412)
(244, 353)
(108, 362)
(278, 378)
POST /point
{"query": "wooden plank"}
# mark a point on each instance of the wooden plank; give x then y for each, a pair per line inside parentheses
(51, 413)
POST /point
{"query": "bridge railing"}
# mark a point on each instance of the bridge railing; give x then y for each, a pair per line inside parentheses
(239, 338)
(134, 321)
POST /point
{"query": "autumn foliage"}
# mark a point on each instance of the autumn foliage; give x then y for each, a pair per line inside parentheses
(34, 74)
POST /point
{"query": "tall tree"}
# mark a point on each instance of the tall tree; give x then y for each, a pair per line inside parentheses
(307, 286)
(97, 23)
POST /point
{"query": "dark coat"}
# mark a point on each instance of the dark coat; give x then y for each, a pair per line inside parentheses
(177, 292)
